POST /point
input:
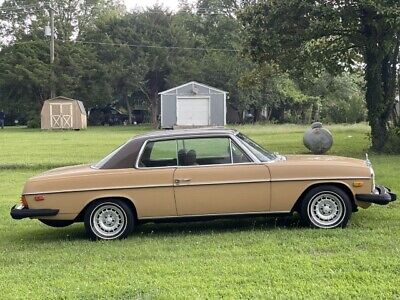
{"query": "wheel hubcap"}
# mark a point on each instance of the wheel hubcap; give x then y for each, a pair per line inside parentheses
(326, 209)
(108, 221)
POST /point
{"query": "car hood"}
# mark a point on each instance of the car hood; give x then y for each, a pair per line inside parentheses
(309, 167)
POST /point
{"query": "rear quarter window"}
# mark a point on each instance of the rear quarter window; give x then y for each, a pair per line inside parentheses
(159, 154)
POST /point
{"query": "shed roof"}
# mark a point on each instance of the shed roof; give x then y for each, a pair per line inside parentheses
(80, 103)
(61, 98)
(81, 107)
(192, 82)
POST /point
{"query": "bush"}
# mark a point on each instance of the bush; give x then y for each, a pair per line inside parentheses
(351, 110)
(393, 143)
(33, 122)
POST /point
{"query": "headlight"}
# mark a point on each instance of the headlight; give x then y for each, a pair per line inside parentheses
(372, 178)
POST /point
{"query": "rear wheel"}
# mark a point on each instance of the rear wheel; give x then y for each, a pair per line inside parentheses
(57, 223)
(326, 206)
(109, 220)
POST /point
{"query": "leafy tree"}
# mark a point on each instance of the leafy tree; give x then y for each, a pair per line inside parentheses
(24, 58)
(72, 18)
(24, 73)
(341, 97)
(335, 35)
(139, 51)
(213, 31)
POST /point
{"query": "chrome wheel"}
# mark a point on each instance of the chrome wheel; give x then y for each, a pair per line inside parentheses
(108, 221)
(326, 209)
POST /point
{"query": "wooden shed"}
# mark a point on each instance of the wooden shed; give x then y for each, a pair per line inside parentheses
(63, 113)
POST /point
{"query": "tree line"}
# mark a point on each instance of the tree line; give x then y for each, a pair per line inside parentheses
(283, 61)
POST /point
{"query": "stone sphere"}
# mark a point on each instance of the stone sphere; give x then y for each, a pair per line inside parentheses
(317, 139)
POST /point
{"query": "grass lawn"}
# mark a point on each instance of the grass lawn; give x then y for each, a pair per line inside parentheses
(247, 258)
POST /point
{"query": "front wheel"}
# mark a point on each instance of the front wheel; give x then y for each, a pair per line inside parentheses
(109, 220)
(326, 206)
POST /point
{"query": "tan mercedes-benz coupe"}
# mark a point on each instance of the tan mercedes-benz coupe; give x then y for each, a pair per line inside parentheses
(198, 173)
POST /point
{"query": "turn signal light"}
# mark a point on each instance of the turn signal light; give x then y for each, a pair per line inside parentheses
(358, 183)
(23, 201)
(39, 197)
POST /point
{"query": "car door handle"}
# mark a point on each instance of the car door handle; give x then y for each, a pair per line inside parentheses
(182, 180)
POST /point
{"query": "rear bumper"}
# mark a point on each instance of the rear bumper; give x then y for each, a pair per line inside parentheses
(382, 196)
(20, 212)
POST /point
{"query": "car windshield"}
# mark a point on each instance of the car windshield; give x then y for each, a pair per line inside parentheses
(262, 154)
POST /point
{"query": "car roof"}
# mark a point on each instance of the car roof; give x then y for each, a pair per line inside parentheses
(187, 132)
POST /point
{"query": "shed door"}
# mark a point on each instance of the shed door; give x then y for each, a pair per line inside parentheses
(61, 115)
(193, 111)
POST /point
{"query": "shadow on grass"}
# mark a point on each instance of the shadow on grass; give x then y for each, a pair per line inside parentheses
(76, 232)
(219, 226)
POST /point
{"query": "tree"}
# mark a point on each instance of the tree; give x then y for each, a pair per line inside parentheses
(213, 32)
(336, 36)
(139, 49)
(72, 19)
(24, 73)
(24, 57)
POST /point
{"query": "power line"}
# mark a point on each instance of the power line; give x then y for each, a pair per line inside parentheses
(45, 5)
(17, 11)
(140, 46)
(22, 7)
(158, 47)
(181, 11)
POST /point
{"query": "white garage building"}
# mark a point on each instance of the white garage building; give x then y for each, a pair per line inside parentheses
(193, 104)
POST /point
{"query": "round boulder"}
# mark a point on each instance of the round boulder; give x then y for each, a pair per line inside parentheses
(317, 139)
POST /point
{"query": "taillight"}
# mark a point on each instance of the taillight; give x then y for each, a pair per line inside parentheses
(23, 201)
(39, 197)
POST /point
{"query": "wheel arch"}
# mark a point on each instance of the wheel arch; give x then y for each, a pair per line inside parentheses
(128, 201)
(338, 184)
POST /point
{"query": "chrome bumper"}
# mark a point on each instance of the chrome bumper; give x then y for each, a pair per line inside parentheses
(381, 195)
(20, 212)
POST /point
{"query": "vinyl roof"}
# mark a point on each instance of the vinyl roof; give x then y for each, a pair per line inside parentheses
(187, 132)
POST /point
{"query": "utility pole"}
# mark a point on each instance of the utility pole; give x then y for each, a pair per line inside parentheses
(52, 79)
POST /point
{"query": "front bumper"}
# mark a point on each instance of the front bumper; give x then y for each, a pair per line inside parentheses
(382, 196)
(20, 212)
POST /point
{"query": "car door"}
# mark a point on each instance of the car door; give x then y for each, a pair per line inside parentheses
(215, 176)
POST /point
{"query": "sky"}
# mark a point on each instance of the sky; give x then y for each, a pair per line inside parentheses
(171, 4)
(130, 4)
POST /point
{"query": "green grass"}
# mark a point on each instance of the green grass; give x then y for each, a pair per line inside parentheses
(247, 258)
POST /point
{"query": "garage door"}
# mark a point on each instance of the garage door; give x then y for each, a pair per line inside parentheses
(193, 111)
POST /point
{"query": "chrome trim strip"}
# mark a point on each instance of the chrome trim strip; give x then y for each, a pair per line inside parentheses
(101, 189)
(240, 144)
(145, 186)
(317, 179)
(221, 214)
(223, 182)
(216, 165)
(233, 137)
(194, 184)
(230, 150)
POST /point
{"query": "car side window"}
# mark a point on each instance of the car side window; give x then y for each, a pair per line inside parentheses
(238, 155)
(204, 151)
(159, 154)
